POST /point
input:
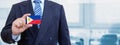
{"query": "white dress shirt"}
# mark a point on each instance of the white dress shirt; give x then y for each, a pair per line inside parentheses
(18, 37)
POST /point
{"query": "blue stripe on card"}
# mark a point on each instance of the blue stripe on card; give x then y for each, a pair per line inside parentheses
(35, 17)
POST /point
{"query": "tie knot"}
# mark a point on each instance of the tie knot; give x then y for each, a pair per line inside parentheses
(37, 1)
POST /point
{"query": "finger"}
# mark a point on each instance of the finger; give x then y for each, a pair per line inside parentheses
(25, 15)
(27, 26)
(16, 23)
(22, 21)
(19, 22)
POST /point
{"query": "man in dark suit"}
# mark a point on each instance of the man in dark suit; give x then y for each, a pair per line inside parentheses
(53, 29)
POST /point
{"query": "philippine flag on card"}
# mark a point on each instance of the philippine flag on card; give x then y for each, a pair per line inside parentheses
(34, 19)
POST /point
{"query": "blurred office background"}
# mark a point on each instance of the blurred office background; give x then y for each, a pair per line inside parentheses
(91, 22)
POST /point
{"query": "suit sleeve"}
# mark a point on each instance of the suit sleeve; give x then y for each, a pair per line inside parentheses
(6, 33)
(64, 38)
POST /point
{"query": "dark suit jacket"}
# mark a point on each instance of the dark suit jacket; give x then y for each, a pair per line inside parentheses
(53, 29)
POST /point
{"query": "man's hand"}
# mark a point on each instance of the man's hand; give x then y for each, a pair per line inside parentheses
(19, 25)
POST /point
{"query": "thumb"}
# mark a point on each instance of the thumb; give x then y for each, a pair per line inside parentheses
(25, 15)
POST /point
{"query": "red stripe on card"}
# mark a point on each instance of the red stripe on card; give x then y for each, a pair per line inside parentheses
(35, 22)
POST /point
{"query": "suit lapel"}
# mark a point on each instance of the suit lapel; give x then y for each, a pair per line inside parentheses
(30, 7)
(27, 7)
(45, 21)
